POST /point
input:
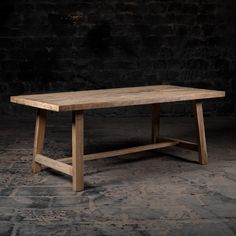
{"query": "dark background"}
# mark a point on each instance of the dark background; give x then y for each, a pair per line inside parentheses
(64, 45)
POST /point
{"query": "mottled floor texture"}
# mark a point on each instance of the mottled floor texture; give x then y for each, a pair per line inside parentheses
(150, 193)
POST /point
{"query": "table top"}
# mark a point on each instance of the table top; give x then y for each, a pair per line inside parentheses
(117, 97)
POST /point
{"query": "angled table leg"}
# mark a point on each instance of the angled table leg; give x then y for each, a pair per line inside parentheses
(78, 151)
(39, 138)
(199, 119)
(155, 122)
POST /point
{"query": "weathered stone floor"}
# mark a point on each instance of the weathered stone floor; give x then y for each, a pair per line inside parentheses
(150, 193)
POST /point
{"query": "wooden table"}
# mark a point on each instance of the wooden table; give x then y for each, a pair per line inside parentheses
(78, 102)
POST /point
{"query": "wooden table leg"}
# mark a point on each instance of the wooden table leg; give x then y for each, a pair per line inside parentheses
(199, 119)
(78, 151)
(39, 137)
(155, 122)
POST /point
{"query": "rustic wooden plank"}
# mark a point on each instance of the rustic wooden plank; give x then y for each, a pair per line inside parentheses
(104, 98)
(155, 122)
(54, 164)
(67, 160)
(199, 119)
(39, 138)
(124, 151)
(181, 143)
(78, 150)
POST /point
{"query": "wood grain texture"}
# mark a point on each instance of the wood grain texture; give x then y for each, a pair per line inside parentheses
(155, 122)
(104, 98)
(77, 151)
(202, 147)
(124, 151)
(54, 164)
(39, 138)
(181, 143)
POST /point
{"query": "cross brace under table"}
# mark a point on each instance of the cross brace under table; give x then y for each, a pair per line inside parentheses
(74, 166)
(80, 101)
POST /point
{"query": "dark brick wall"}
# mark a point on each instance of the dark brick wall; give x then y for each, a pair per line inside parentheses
(62, 45)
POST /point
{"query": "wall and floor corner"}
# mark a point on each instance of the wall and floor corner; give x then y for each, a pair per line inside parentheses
(69, 45)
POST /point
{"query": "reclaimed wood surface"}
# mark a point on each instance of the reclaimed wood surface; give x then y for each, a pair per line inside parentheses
(39, 136)
(78, 150)
(202, 146)
(121, 152)
(54, 164)
(180, 143)
(155, 122)
(104, 98)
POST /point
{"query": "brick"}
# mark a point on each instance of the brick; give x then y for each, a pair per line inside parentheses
(223, 64)
(127, 7)
(43, 44)
(189, 8)
(227, 107)
(200, 64)
(194, 42)
(214, 41)
(121, 65)
(129, 17)
(10, 65)
(17, 87)
(156, 7)
(166, 52)
(163, 30)
(234, 85)
(160, 64)
(209, 29)
(9, 43)
(175, 7)
(3, 88)
(156, 19)
(210, 7)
